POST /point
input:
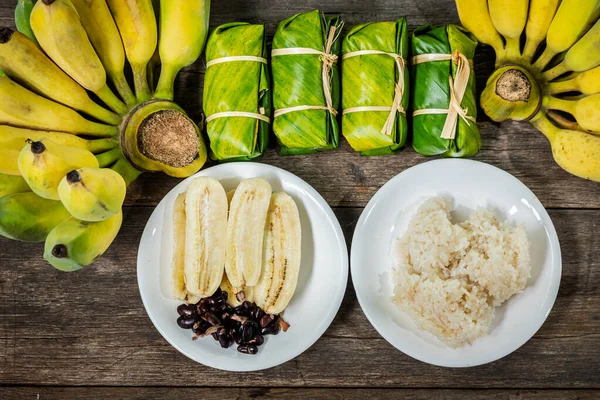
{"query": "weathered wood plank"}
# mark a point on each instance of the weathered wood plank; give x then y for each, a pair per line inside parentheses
(99, 393)
(90, 328)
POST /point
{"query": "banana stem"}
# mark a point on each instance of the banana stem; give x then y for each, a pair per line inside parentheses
(166, 82)
(554, 103)
(556, 71)
(108, 158)
(140, 80)
(530, 49)
(111, 100)
(101, 145)
(543, 124)
(562, 86)
(123, 88)
(543, 60)
(513, 48)
(126, 170)
(102, 113)
(101, 130)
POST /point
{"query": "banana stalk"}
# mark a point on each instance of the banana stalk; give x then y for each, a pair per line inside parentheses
(509, 17)
(587, 83)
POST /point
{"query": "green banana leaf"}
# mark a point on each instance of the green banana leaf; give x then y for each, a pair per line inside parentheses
(432, 90)
(22, 13)
(241, 86)
(298, 81)
(370, 80)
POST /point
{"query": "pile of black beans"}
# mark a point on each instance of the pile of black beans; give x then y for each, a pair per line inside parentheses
(245, 325)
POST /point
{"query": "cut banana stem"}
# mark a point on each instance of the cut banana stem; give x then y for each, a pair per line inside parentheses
(206, 220)
(108, 158)
(245, 229)
(587, 82)
(126, 170)
(541, 13)
(585, 110)
(281, 256)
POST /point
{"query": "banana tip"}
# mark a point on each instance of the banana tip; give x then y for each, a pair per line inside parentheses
(5, 35)
(60, 251)
(48, 2)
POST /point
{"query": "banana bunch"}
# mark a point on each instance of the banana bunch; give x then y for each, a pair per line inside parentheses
(547, 71)
(260, 253)
(67, 158)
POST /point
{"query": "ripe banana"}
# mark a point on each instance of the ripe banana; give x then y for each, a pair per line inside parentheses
(475, 17)
(75, 244)
(137, 24)
(92, 194)
(245, 231)
(180, 291)
(10, 184)
(568, 24)
(43, 164)
(541, 13)
(21, 59)
(59, 31)
(205, 225)
(587, 82)
(281, 257)
(184, 23)
(29, 217)
(586, 110)
(509, 17)
(8, 161)
(16, 138)
(104, 36)
(576, 152)
(583, 56)
(20, 107)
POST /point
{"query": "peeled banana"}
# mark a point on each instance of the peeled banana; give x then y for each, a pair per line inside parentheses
(281, 257)
(178, 266)
(74, 244)
(184, 23)
(92, 194)
(59, 31)
(10, 184)
(206, 223)
(29, 217)
(586, 110)
(509, 17)
(137, 24)
(23, 60)
(245, 228)
(43, 165)
(20, 107)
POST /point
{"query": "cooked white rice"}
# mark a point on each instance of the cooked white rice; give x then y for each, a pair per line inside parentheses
(449, 277)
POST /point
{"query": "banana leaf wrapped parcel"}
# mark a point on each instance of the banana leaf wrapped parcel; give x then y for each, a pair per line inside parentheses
(444, 104)
(375, 87)
(237, 96)
(306, 87)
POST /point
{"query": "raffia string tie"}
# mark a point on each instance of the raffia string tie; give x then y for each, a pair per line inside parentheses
(327, 58)
(396, 106)
(458, 86)
(224, 60)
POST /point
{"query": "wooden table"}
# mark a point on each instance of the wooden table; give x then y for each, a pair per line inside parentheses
(86, 334)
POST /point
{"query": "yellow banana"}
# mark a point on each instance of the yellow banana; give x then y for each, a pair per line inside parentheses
(137, 24)
(587, 82)
(43, 164)
(583, 56)
(281, 257)
(206, 223)
(21, 59)
(184, 23)
(59, 31)
(541, 13)
(29, 217)
(16, 138)
(10, 184)
(20, 107)
(8, 161)
(576, 152)
(568, 24)
(245, 231)
(475, 17)
(75, 244)
(104, 36)
(585, 110)
(509, 17)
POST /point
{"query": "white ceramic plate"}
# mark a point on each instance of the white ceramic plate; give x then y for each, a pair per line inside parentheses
(321, 284)
(470, 184)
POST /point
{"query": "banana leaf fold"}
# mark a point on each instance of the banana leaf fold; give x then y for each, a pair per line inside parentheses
(432, 91)
(237, 81)
(298, 83)
(370, 80)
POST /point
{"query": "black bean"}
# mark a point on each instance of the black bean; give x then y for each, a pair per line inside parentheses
(246, 305)
(266, 320)
(257, 314)
(247, 332)
(224, 341)
(185, 322)
(247, 349)
(201, 308)
(224, 295)
(185, 309)
(258, 340)
(197, 329)
(215, 336)
(271, 329)
(211, 318)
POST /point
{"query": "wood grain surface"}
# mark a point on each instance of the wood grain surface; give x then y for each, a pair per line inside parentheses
(86, 334)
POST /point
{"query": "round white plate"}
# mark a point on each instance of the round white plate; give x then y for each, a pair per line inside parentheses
(470, 184)
(321, 284)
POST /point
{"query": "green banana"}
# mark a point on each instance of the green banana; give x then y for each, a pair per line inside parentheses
(75, 244)
(29, 217)
(184, 23)
(10, 184)
(22, 14)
